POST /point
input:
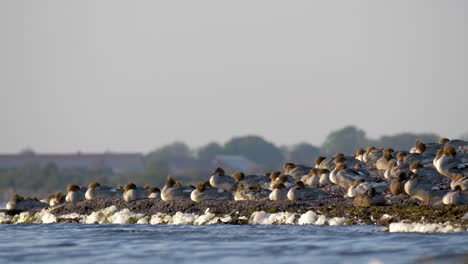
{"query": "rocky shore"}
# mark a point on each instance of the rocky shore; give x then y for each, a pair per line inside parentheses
(241, 211)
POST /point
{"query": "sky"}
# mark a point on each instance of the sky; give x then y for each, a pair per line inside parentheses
(121, 76)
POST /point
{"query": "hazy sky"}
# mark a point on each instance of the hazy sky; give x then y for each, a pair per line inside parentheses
(134, 75)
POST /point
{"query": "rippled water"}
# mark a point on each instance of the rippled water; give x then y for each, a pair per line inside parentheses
(76, 243)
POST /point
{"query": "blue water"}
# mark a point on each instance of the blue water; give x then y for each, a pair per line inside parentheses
(76, 243)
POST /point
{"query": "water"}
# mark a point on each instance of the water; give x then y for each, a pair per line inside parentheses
(77, 243)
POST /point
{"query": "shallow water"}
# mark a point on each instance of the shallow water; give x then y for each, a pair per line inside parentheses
(77, 243)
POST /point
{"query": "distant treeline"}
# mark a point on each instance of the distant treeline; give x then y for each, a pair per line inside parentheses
(33, 180)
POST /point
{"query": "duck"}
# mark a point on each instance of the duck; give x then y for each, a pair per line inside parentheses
(428, 148)
(300, 192)
(397, 185)
(363, 172)
(422, 190)
(251, 193)
(296, 171)
(349, 161)
(74, 194)
(205, 191)
(56, 199)
(154, 193)
(279, 193)
(174, 191)
(456, 143)
(312, 178)
(369, 198)
(393, 170)
(20, 203)
(382, 163)
(461, 181)
(287, 180)
(437, 158)
(371, 156)
(96, 191)
(324, 177)
(344, 177)
(359, 154)
(318, 162)
(456, 197)
(360, 186)
(448, 164)
(132, 192)
(220, 180)
(423, 158)
(429, 174)
(252, 180)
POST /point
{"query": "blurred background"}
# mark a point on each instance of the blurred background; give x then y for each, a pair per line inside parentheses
(135, 90)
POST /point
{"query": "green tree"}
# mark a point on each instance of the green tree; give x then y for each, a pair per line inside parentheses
(303, 153)
(256, 149)
(209, 151)
(405, 141)
(345, 140)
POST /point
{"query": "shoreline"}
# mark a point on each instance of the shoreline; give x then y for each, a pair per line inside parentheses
(241, 212)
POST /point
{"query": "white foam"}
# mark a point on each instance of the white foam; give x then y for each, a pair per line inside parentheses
(124, 216)
(183, 218)
(160, 218)
(207, 218)
(264, 218)
(423, 228)
(23, 218)
(337, 221)
(308, 218)
(143, 220)
(100, 216)
(72, 216)
(48, 218)
(4, 218)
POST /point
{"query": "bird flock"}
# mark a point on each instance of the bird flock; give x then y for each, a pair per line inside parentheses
(431, 173)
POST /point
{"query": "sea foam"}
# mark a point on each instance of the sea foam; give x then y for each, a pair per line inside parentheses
(424, 228)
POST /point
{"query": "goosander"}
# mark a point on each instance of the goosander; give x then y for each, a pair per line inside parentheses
(154, 193)
(359, 155)
(360, 186)
(56, 199)
(461, 181)
(205, 191)
(457, 197)
(344, 177)
(279, 192)
(251, 193)
(252, 180)
(448, 164)
(422, 190)
(74, 194)
(296, 171)
(397, 185)
(369, 198)
(382, 163)
(324, 177)
(174, 191)
(220, 180)
(300, 192)
(312, 178)
(427, 173)
(96, 191)
(287, 180)
(372, 155)
(20, 203)
(133, 193)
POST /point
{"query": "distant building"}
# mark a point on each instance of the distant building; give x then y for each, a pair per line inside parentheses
(118, 162)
